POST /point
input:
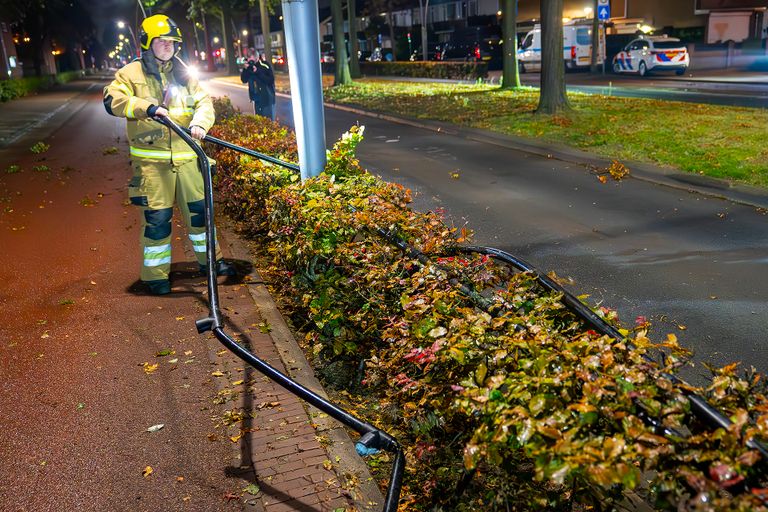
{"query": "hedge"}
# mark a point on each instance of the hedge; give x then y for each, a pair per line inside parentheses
(545, 411)
(19, 87)
(448, 70)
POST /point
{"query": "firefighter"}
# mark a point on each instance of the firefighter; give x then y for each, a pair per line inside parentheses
(164, 167)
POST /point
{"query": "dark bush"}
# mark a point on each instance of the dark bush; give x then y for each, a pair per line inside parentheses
(447, 70)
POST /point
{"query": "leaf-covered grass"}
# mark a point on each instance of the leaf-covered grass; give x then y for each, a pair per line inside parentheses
(718, 141)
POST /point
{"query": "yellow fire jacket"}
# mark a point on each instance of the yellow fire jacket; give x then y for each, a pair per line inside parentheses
(141, 84)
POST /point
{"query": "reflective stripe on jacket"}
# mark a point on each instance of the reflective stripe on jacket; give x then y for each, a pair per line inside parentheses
(133, 91)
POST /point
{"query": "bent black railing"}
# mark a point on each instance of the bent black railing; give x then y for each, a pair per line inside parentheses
(699, 404)
(372, 439)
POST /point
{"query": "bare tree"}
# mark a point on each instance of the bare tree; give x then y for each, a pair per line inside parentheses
(342, 75)
(510, 77)
(553, 99)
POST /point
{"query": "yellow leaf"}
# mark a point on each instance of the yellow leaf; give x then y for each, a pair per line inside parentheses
(149, 368)
(237, 382)
(217, 374)
(147, 471)
(327, 464)
(179, 318)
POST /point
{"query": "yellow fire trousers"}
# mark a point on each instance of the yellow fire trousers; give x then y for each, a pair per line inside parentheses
(155, 186)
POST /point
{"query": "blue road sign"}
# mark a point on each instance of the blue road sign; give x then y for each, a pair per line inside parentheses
(604, 12)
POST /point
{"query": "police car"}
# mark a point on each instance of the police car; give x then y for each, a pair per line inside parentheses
(652, 53)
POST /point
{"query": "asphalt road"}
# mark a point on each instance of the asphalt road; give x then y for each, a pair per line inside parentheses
(694, 265)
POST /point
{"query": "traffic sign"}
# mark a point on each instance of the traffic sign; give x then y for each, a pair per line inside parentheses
(604, 11)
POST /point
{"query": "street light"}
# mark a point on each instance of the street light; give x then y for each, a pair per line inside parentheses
(121, 25)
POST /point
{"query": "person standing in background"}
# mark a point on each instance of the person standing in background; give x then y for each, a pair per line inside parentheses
(259, 76)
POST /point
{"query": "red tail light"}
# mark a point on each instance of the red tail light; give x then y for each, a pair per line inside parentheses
(477, 52)
(573, 52)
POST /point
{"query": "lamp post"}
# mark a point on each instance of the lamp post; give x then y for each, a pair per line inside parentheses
(122, 24)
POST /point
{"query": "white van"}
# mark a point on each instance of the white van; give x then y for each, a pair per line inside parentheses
(577, 46)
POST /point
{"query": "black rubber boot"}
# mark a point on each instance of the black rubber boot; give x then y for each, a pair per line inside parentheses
(159, 287)
(222, 269)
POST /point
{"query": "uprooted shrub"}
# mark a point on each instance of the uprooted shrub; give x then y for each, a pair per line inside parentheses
(546, 412)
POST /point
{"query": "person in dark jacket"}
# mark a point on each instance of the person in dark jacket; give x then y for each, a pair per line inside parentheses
(260, 78)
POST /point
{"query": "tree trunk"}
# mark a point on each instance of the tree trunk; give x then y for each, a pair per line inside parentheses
(424, 11)
(510, 77)
(229, 41)
(342, 76)
(391, 30)
(354, 62)
(208, 49)
(593, 67)
(196, 40)
(552, 99)
(265, 30)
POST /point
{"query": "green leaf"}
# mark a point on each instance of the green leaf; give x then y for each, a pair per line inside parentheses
(480, 374)
(537, 404)
(252, 489)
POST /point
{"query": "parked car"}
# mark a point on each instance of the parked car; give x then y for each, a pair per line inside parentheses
(488, 50)
(651, 54)
(577, 46)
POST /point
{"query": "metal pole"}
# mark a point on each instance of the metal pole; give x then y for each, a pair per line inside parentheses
(135, 41)
(303, 45)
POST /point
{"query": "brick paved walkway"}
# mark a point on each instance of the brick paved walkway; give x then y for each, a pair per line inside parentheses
(292, 452)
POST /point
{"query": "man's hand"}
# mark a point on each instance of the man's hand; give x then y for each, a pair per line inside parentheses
(161, 112)
(197, 132)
